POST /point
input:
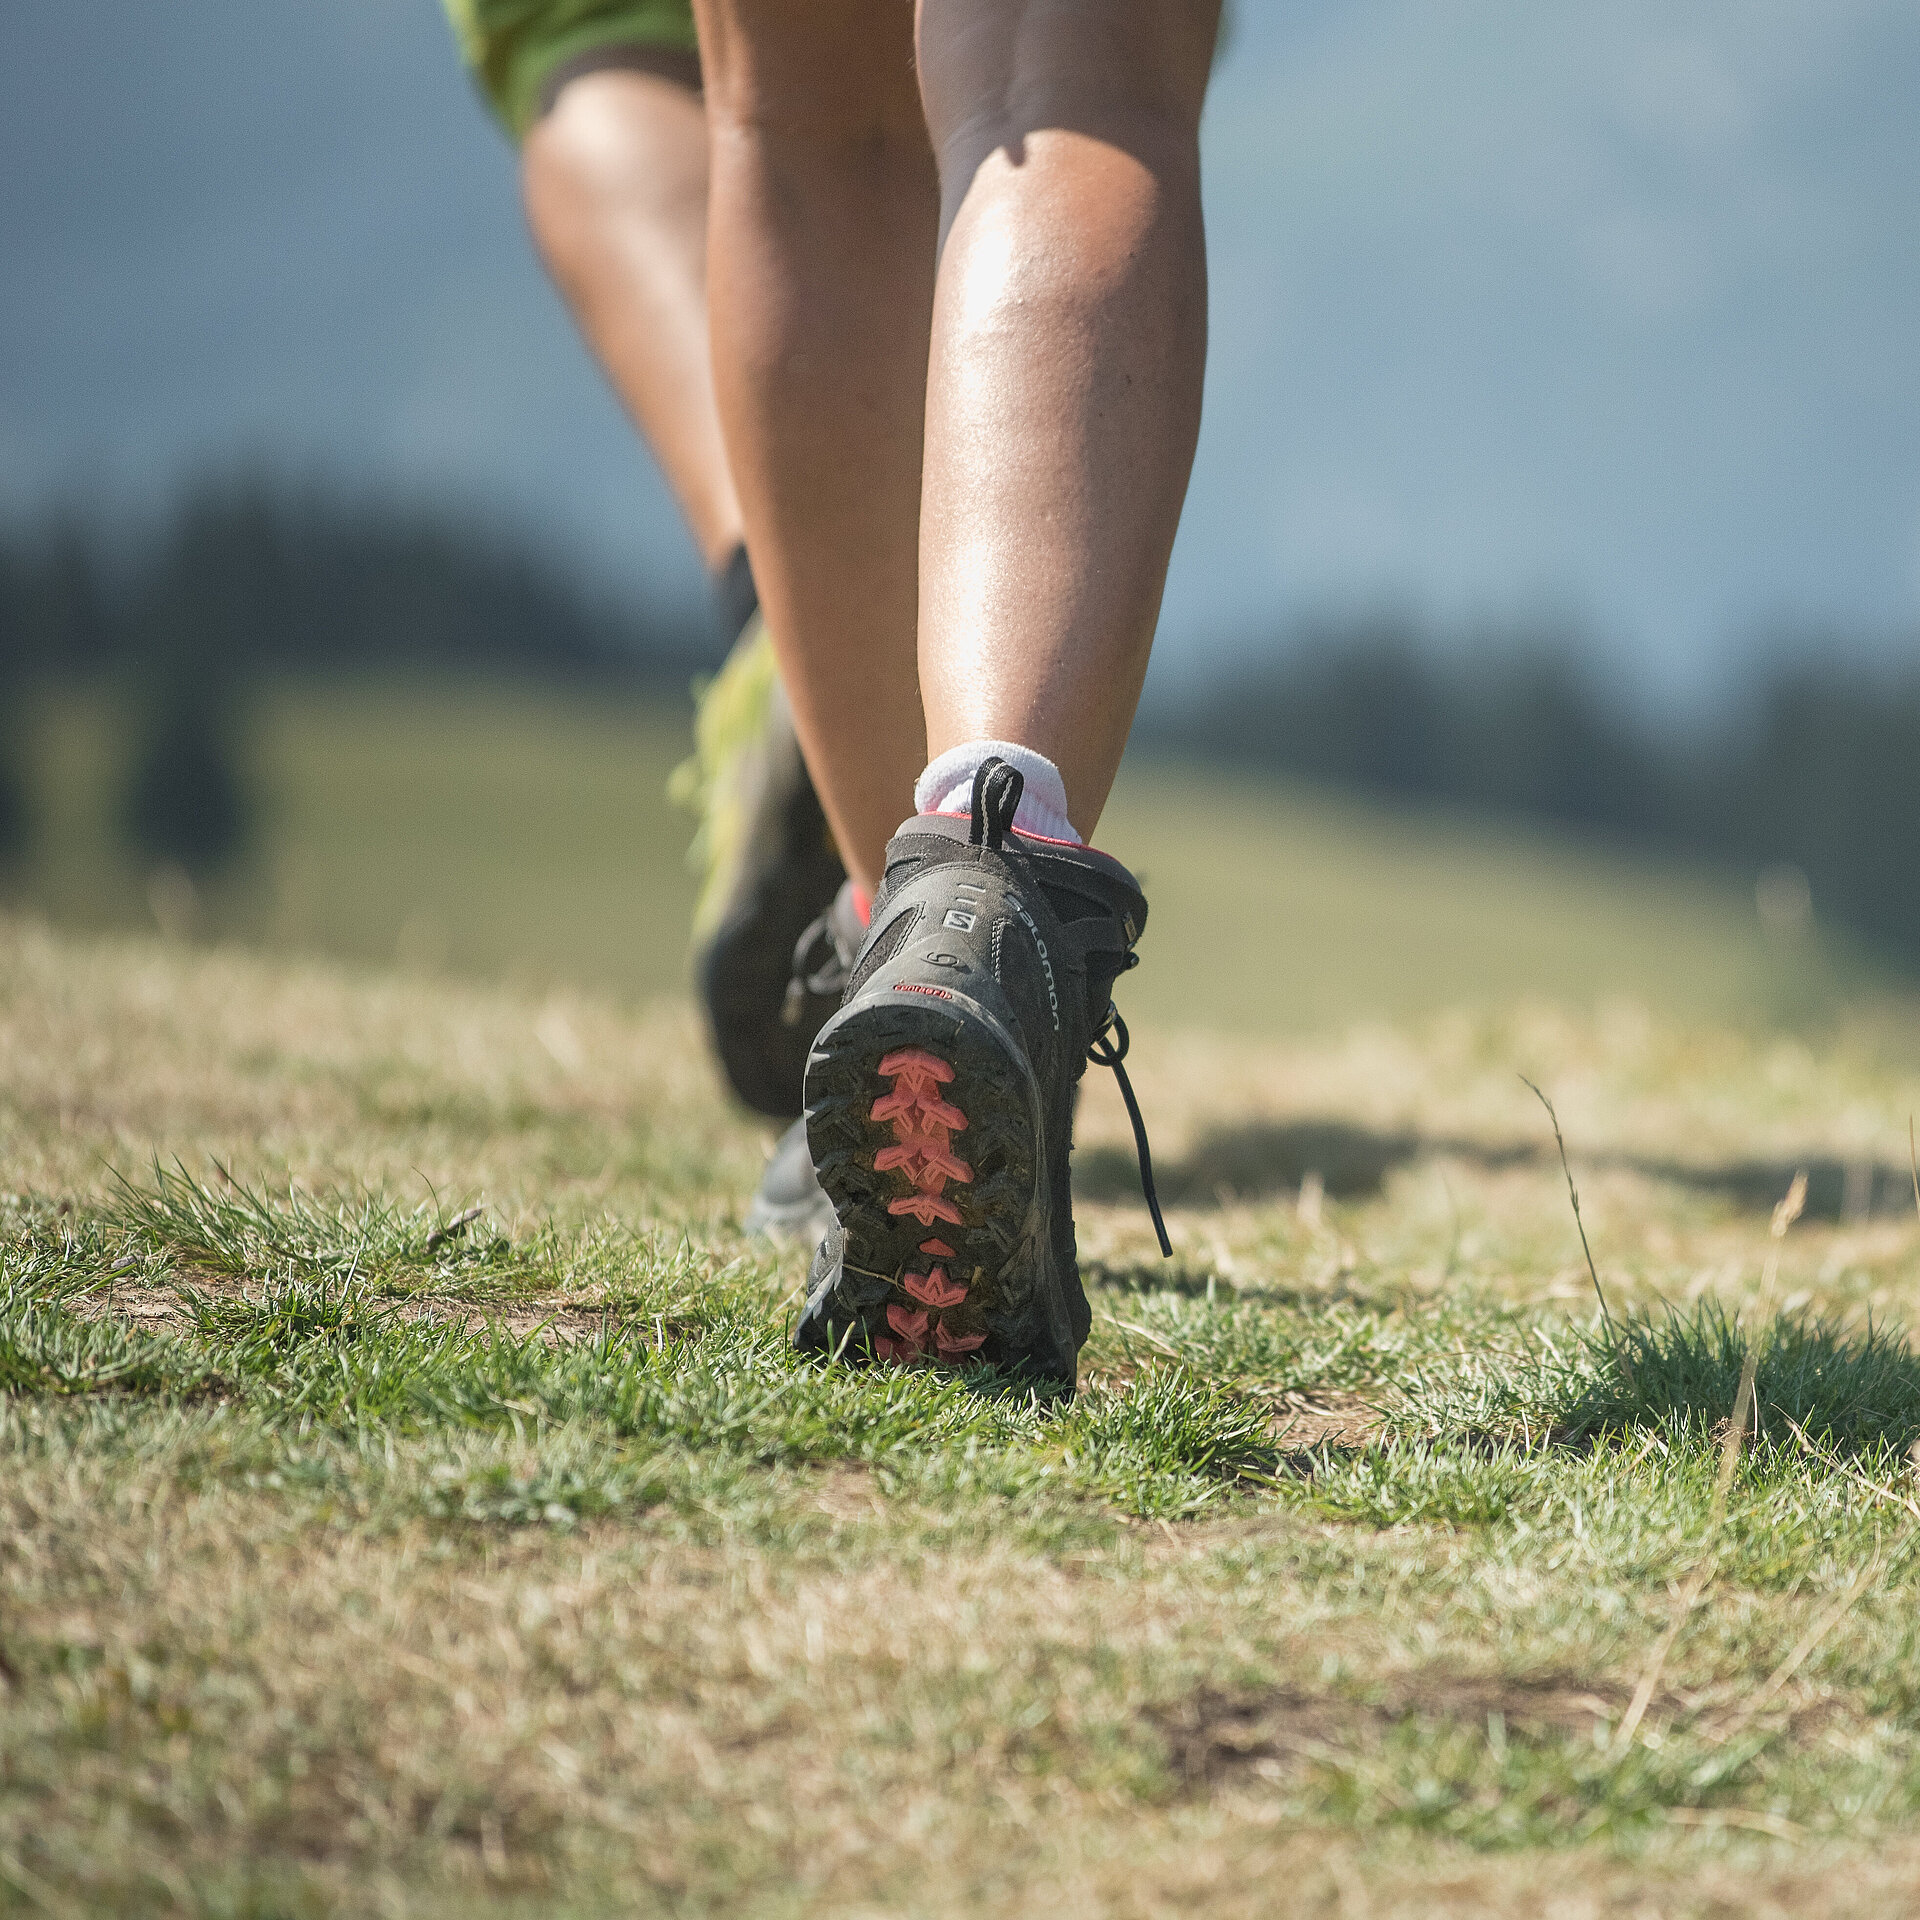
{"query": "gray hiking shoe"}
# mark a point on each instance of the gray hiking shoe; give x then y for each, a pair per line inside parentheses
(940, 1097)
(822, 964)
(790, 1205)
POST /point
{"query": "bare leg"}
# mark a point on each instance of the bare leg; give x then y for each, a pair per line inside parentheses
(615, 179)
(824, 223)
(1062, 376)
(1069, 340)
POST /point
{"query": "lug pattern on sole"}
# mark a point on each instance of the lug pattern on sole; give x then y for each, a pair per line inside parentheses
(935, 1251)
(923, 1126)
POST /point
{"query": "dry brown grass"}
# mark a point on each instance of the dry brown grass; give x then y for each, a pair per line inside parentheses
(833, 1688)
(700, 1725)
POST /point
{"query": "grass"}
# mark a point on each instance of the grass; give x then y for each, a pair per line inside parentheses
(409, 1503)
(445, 827)
(485, 832)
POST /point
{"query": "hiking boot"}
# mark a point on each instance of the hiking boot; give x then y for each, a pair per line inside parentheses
(771, 868)
(822, 963)
(940, 1097)
(789, 1205)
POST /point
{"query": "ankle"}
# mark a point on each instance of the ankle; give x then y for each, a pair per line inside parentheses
(947, 786)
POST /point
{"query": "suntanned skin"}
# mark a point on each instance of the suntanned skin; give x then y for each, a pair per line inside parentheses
(991, 459)
(615, 181)
(992, 456)
(824, 217)
(1069, 343)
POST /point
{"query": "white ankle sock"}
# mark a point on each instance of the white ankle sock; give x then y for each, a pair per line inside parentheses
(947, 786)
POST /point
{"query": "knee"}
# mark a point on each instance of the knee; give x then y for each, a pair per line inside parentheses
(827, 84)
(1131, 73)
(610, 137)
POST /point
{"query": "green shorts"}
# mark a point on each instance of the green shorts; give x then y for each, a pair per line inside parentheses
(519, 50)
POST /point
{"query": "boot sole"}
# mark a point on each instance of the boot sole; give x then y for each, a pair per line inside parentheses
(923, 1121)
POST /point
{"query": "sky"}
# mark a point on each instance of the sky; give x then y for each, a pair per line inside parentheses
(1605, 312)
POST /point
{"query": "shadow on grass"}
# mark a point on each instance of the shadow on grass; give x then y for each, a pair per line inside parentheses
(1193, 1281)
(1013, 1386)
(1846, 1392)
(1260, 1159)
(1263, 1159)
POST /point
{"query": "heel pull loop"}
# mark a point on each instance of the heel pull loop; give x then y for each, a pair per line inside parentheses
(1109, 1053)
(997, 788)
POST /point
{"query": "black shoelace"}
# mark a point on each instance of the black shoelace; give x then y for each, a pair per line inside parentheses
(821, 967)
(997, 788)
(1108, 1048)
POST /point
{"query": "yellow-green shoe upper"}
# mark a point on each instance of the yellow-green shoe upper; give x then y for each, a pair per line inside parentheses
(768, 869)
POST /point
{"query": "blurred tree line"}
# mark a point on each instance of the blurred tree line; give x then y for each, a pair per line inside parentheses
(248, 579)
(1813, 764)
(1811, 767)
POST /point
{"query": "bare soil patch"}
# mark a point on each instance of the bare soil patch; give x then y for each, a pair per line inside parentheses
(150, 1309)
(161, 1309)
(1212, 1736)
(846, 1490)
(1304, 1421)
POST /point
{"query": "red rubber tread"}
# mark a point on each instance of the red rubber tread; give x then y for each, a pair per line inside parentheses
(923, 1127)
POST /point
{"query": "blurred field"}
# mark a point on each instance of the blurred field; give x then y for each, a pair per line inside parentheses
(483, 832)
(526, 834)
